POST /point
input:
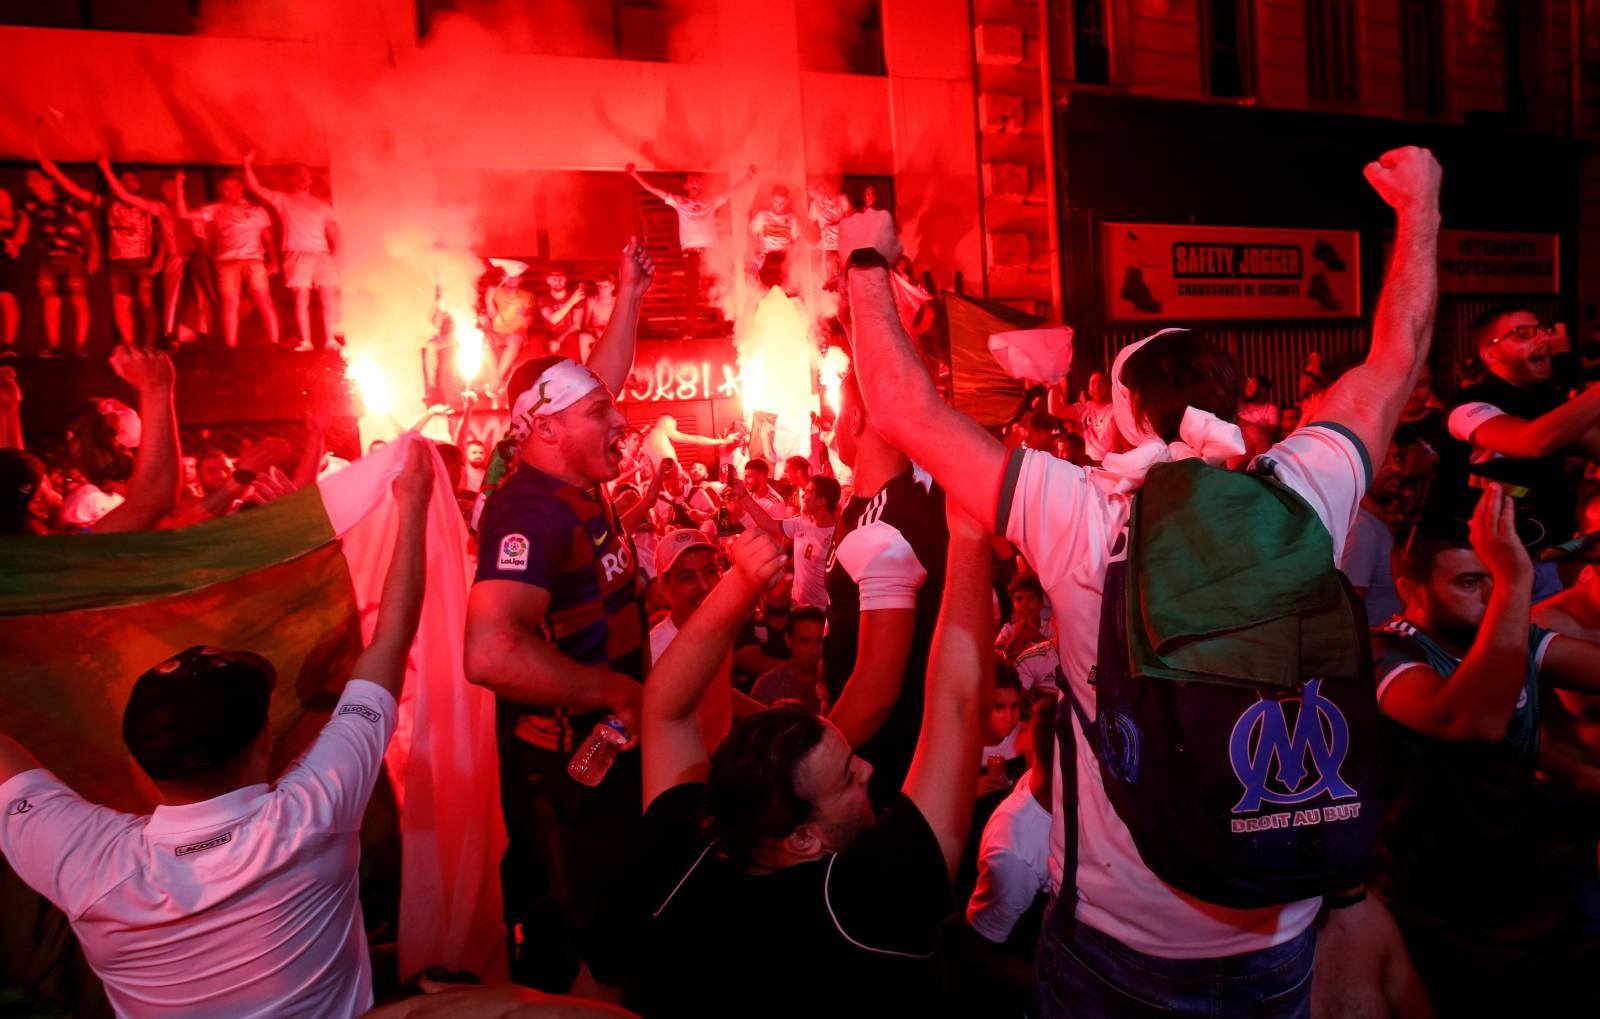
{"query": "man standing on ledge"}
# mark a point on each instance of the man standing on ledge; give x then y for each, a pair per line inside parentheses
(556, 629)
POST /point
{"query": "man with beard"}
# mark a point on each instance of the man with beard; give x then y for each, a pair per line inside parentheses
(1517, 428)
(556, 629)
(1467, 862)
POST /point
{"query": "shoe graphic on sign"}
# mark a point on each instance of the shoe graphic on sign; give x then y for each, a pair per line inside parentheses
(1320, 293)
(1324, 252)
(1137, 294)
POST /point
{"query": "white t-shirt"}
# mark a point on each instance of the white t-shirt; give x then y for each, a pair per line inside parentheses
(87, 504)
(305, 221)
(1036, 667)
(661, 635)
(1367, 552)
(1262, 415)
(1066, 525)
(1098, 423)
(1006, 748)
(812, 543)
(697, 222)
(237, 230)
(770, 501)
(241, 905)
(1013, 863)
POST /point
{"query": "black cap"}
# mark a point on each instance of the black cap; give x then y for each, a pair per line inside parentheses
(193, 714)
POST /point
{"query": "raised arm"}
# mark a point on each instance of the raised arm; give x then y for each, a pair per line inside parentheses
(121, 193)
(1475, 703)
(633, 172)
(673, 748)
(726, 196)
(631, 519)
(400, 605)
(612, 358)
(762, 518)
(1573, 664)
(153, 488)
(966, 460)
(49, 166)
(1368, 398)
(960, 675)
(252, 182)
(179, 178)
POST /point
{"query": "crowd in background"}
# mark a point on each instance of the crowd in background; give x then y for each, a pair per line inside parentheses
(861, 775)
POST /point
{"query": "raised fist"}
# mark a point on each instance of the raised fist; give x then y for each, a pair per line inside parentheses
(758, 558)
(1408, 179)
(144, 370)
(637, 269)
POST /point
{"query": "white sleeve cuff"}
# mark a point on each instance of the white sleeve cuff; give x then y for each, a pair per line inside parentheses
(1466, 419)
(883, 565)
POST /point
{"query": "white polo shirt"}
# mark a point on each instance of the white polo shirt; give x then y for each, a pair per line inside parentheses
(1067, 525)
(241, 905)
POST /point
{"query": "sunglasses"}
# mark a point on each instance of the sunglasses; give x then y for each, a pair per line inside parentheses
(1526, 332)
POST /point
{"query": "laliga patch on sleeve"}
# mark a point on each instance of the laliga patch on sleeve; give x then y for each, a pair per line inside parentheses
(513, 553)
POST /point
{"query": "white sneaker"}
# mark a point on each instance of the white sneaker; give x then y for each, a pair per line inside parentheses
(304, 345)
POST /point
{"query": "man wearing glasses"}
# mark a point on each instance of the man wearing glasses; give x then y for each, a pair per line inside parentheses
(1518, 427)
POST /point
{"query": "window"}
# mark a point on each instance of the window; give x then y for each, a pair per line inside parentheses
(1331, 52)
(1091, 50)
(655, 30)
(1421, 53)
(1226, 35)
(843, 38)
(172, 17)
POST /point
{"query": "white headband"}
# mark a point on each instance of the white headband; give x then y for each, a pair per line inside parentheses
(559, 387)
(1201, 434)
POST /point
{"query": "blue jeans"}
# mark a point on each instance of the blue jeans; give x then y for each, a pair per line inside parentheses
(1090, 975)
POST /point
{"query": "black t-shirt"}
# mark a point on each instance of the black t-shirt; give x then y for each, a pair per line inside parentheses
(914, 508)
(850, 934)
(1547, 514)
(1465, 839)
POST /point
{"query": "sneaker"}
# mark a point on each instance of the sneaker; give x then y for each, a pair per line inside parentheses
(1323, 252)
(1136, 293)
(303, 346)
(1320, 293)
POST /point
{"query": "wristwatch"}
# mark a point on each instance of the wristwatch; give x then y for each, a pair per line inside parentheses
(243, 476)
(866, 258)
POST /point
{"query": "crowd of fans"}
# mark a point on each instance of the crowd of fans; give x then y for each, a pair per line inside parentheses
(883, 709)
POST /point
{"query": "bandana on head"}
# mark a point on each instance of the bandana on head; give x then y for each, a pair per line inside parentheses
(559, 387)
(1201, 433)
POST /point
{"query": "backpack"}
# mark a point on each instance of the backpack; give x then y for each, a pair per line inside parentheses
(1242, 794)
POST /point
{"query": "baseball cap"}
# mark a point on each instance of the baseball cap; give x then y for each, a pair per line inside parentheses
(675, 544)
(195, 712)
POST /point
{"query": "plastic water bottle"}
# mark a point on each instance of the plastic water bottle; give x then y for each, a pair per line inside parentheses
(590, 764)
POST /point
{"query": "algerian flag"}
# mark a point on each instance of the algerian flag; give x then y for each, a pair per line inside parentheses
(298, 581)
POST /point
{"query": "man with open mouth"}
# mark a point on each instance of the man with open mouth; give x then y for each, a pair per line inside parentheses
(1517, 427)
(556, 629)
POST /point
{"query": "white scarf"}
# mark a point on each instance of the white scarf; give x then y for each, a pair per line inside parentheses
(1201, 433)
